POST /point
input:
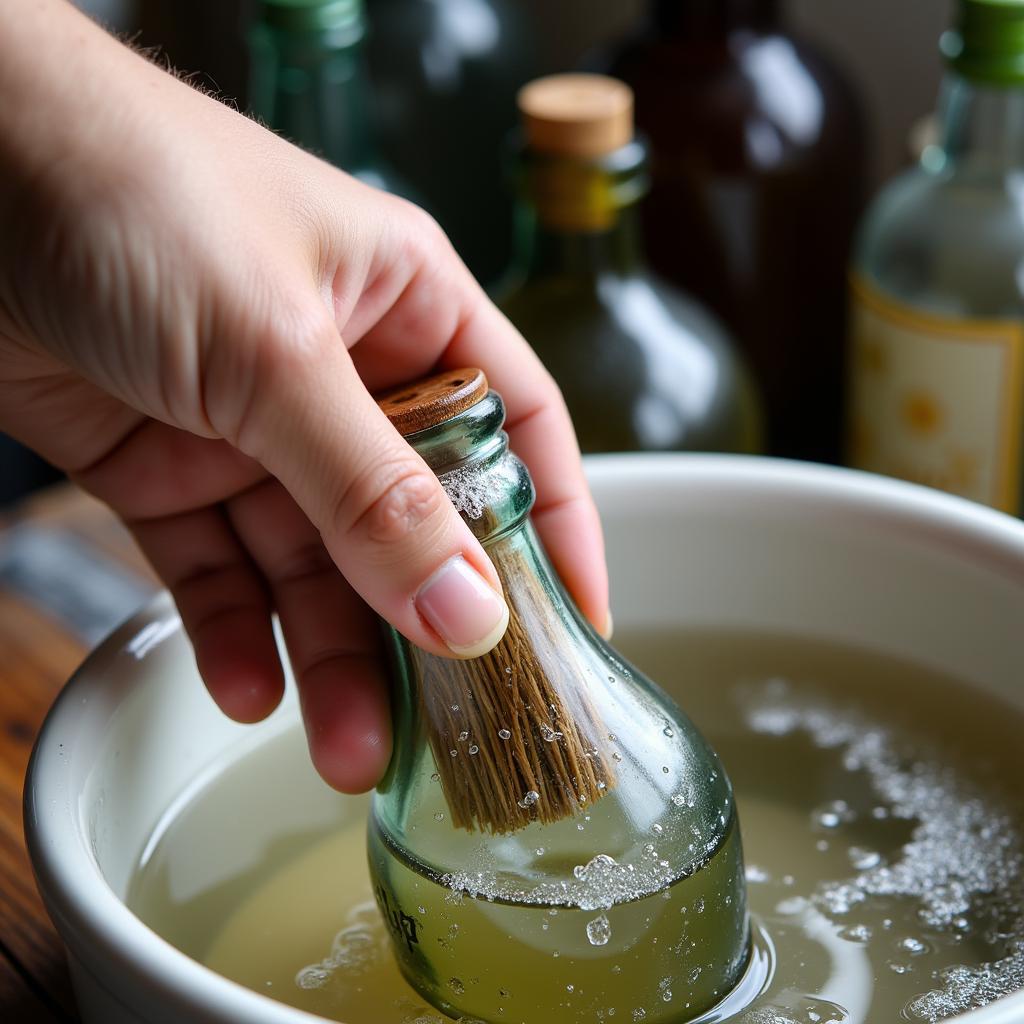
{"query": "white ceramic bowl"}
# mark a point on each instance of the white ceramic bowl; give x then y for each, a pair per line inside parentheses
(729, 542)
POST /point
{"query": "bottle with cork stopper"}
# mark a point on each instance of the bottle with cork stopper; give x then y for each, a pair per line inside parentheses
(641, 366)
(553, 837)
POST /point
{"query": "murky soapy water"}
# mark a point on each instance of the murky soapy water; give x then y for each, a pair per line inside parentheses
(882, 837)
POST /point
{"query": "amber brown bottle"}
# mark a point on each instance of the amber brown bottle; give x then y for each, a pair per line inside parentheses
(757, 170)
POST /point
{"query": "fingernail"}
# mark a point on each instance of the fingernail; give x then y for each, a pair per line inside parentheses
(609, 626)
(469, 616)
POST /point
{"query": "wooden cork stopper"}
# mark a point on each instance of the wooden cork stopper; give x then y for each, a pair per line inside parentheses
(432, 400)
(576, 115)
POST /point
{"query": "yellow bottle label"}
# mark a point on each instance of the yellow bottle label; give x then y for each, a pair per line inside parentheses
(938, 400)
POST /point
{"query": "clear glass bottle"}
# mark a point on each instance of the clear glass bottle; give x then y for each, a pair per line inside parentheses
(308, 81)
(936, 374)
(623, 890)
(758, 148)
(641, 366)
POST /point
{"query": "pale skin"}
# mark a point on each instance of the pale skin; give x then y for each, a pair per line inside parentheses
(193, 316)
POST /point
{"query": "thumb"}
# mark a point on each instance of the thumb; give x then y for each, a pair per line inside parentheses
(382, 514)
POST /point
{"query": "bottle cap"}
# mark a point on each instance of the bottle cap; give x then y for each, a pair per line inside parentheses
(310, 15)
(576, 115)
(432, 400)
(987, 42)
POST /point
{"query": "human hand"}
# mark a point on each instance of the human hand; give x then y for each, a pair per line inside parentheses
(192, 316)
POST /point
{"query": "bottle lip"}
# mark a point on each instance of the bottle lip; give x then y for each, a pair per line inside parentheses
(987, 42)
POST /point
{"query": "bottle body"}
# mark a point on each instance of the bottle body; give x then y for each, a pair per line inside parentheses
(757, 178)
(674, 380)
(641, 365)
(308, 80)
(445, 76)
(536, 913)
(937, 329)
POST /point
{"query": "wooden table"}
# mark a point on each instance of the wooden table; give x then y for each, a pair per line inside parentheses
(47, 624)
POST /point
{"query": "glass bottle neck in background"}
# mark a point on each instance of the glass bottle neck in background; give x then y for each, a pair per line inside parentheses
(312, 87)
(544, 250)
(711, 18)
(981, 129)
(577, 216)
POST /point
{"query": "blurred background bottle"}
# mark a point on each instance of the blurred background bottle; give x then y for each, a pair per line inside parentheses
(758, 164)
(309, 82)
(640, 365)
(937, 354)
(445, 76)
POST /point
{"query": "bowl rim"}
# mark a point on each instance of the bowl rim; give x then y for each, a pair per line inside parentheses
(91, 917)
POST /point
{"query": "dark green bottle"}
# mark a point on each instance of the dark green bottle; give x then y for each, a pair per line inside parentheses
(445, 75)
(308, 81)
(641, 366)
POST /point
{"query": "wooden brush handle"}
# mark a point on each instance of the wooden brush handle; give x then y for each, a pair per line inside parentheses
(431, 400)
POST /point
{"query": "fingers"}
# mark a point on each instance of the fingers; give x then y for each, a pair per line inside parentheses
(158, 470)
(223, 605)
(332, 639)
(382, 514)
(468, 330)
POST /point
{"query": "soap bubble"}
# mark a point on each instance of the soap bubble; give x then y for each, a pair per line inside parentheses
(530, 797)
(504, 734)
(599, 931)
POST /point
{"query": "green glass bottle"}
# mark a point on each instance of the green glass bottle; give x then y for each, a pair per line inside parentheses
(641, 366)
(936, 373)
(308, 81)
(553, 838)
(445, 74)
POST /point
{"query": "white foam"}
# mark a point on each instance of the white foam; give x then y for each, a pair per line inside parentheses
(963, 846)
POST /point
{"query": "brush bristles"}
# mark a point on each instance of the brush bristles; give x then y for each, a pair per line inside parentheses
(514, 733)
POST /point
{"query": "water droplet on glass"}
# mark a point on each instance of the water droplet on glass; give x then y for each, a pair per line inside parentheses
(679, 800)
(616, 756)
(455, 707)
(422, 910)
(694, 975)
(456, 986)
(434, 777)
(463, 736)
(664, 768)
(529, 798)
(504, 734)
(699, 905)
(539, 851)
(668, 731)
(664, 986)
(599, 930)
(657, 829)
(616, 969)
(548, 734)
(474, 749)
(438, 816)
(639, 1013)
(570, 988)
(454, 753)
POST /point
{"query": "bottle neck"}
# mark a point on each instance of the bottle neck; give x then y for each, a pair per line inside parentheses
(579, 217)
(981, 129)
(312, 87)
(710, 18)
(545, 250)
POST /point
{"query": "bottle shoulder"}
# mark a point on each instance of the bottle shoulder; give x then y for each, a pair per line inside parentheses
(950, 242)
(692, 96)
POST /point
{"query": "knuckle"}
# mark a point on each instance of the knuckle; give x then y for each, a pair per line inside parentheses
(411, 500)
